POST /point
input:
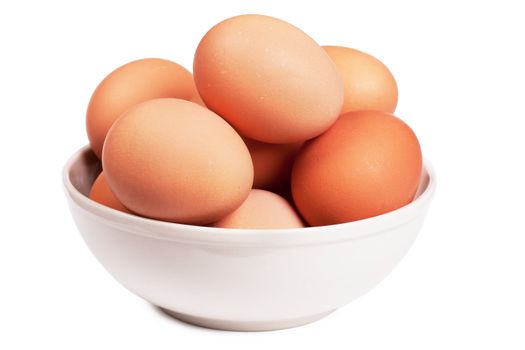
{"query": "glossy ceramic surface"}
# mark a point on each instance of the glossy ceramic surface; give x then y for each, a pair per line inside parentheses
(242, 279)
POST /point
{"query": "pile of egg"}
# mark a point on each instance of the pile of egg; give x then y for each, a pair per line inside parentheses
(271, 131)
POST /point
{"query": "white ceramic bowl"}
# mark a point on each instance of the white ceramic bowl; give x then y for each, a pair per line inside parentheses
(242, 279)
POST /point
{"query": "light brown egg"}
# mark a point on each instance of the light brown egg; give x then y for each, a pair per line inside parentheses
(262, 210)
(174, 160)
(272, 163)
(101, 193)
(368, 84)
(268, 79)
(368, 163)
(130, 84)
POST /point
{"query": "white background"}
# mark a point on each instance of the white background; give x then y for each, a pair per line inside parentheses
(461, 76)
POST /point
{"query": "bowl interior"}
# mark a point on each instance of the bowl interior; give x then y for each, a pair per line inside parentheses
(84, 170)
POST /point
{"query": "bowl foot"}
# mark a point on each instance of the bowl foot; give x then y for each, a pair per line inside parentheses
(245, 326)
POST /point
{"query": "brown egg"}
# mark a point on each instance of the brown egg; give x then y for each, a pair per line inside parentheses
(268, 79)
(368, 83)
(368, 163)
(101, 193)
(272, 163)
(130, 84)
(174, 160)
(262, 210)
(198, 100)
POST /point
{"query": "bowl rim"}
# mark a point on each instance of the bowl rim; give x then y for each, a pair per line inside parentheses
(171, 231)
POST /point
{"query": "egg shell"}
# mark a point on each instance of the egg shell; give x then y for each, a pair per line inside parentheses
(198, 100)
(268, 79)
(130, 84)
(368, 163)
(368, 83)
(173, 160)
(262, 210)
(101, 193)
(272, 163)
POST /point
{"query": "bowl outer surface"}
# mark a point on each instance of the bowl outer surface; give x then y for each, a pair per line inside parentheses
(242, 275)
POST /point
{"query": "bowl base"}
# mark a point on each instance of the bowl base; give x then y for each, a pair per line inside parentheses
(244, 326)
